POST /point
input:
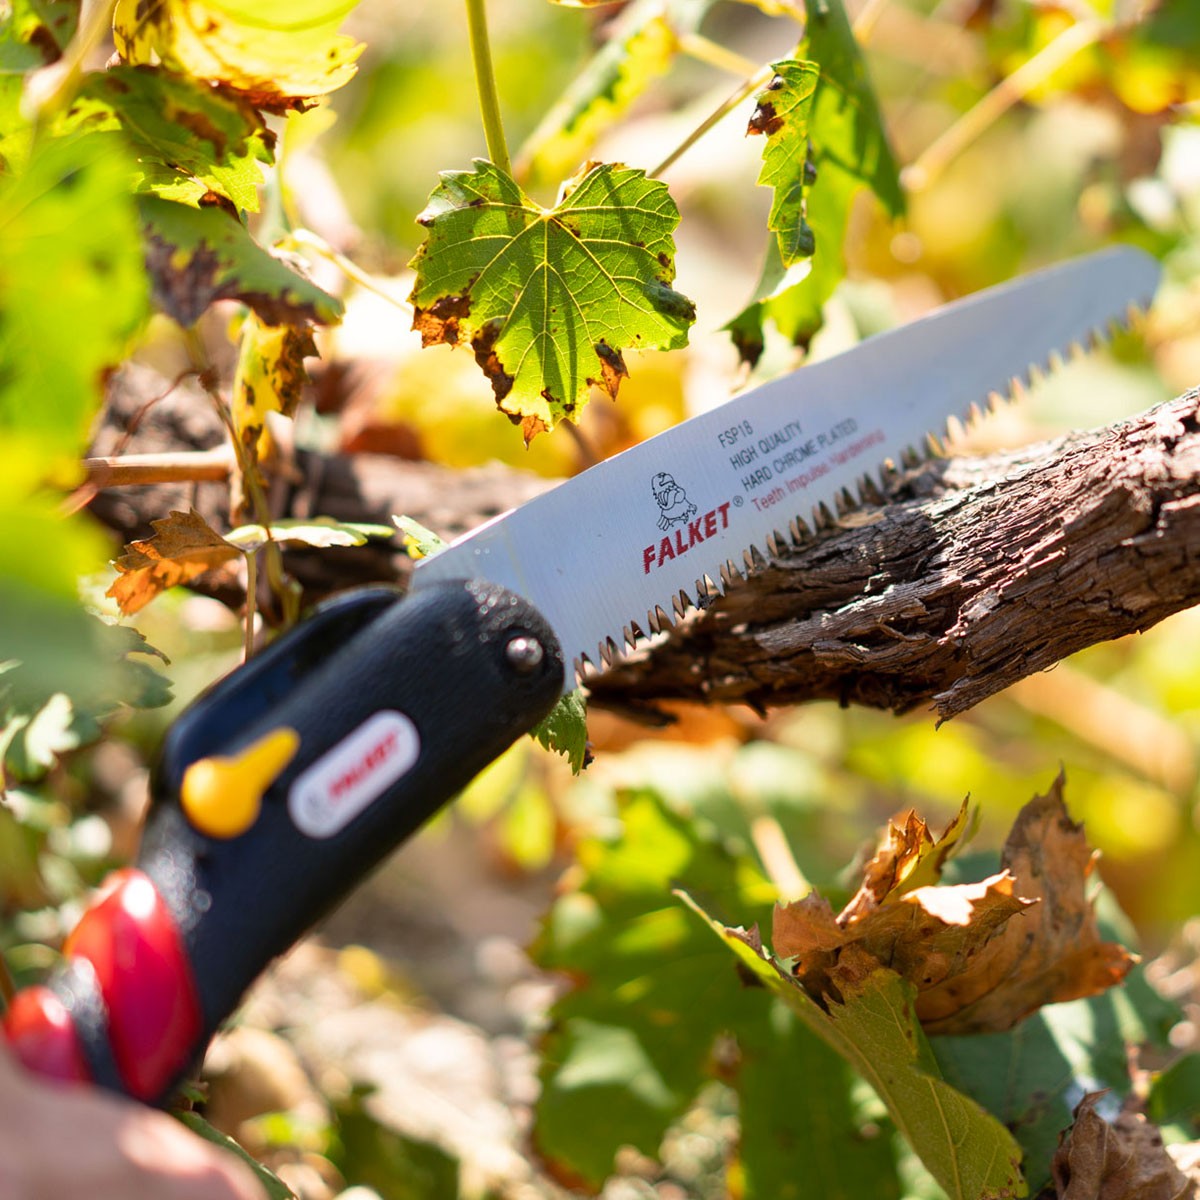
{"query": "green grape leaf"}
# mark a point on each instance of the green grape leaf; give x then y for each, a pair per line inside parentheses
(419, 542)
(850, 152)
(637, 1039)
(564, 729)
(630, 1046)
(1033, 1076)
(808, 1140)
(640, 47)
(34, 33)
(549, 298)
(870, 1021)
(72, 286)
(196, 256)
(31, 742)
(319, 532)
(189, 138)
(277, 53)
(1174, 1100)
(782, 117)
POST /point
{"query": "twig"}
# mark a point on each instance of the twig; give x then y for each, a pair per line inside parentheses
(759, 79)
(183, 466)
(973, 123)
(705, 50)
(8, 989)
(307, 239)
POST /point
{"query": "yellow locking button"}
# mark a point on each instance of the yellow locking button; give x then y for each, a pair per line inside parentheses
(221, 796)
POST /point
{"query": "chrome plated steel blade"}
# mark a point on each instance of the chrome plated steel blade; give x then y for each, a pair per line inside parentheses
(624, 547)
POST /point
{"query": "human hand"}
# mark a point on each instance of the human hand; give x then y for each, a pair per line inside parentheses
(59, 1139)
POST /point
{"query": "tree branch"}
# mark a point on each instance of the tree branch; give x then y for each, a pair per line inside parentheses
(975, 573)
(978, 573)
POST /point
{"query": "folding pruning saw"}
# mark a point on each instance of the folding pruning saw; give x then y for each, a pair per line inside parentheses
(288, 781)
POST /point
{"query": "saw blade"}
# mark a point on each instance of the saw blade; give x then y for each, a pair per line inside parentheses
(628, 545)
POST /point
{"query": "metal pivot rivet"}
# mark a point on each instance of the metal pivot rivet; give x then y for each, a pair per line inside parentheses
(524, 654)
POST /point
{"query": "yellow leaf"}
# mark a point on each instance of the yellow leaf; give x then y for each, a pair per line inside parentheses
(270, 374)
(183, 547)
(278, 54)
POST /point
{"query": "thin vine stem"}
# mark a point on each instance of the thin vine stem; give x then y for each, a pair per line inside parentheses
(713, 54)
(758, 80)
(976, 121)
(272, 551)
(485, 84)
(318, 245)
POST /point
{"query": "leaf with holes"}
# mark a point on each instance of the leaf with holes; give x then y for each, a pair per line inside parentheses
(548, 298)
(850, 153)
(782, 118)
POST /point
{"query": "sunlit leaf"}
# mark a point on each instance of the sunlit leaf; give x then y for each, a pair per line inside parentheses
(196, 256)
(781, 117)
(981, 955)
(548, 298)
(419, 542)
(639, 49)
(277, 53)
(188, 137)
(182, 547)
(850, 152)
(564, 729)
(318, 532)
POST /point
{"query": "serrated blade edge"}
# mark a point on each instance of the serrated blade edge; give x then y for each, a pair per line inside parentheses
(636, 539)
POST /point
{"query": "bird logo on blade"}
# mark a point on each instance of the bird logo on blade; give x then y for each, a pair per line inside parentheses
(676, 512)
(674, 507)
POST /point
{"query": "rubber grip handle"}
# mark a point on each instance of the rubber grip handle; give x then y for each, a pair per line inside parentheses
(385, 725)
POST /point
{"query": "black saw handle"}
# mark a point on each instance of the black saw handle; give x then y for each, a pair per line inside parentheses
(276, 792)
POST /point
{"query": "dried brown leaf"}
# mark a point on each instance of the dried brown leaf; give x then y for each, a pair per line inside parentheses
(1053, 951)
(183, 546)
(910, 857)
(1120, 1160)
(981, 955)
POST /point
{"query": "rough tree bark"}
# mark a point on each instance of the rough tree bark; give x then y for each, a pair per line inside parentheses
(974, 573)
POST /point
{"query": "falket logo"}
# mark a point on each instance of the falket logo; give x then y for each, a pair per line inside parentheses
(681, 521)
(674, 506)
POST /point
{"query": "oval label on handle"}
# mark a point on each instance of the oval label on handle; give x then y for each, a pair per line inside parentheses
(346, 779)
